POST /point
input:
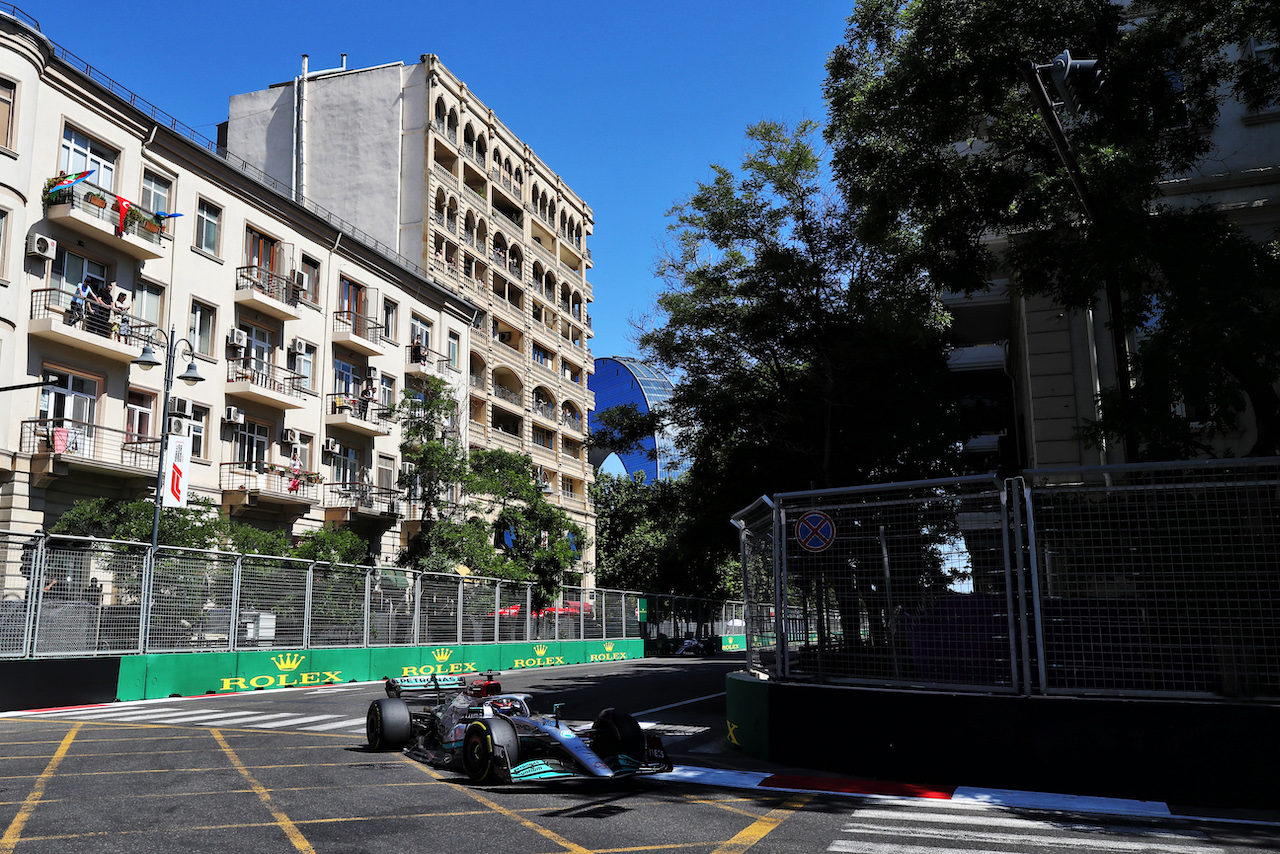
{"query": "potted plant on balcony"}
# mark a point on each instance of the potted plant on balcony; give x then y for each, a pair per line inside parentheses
(96, 199)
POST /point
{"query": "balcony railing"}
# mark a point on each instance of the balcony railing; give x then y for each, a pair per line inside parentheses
(476, 380)
(513, 220)
(274, 285)
(364, 498)
(570, 420)
(424, 358)
(264, 375)
(362, 408)
(484, 203)
(509, 395)
(93, 318)
(83, 440)
(272, 478)
(368, 328)
(445, 175)
(95, 202)
(546, 411)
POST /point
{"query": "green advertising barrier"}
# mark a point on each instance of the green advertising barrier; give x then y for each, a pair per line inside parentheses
(188, 674)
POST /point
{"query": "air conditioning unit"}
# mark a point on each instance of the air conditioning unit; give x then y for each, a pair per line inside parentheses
(504, 337)
(178, 426)
(42, 246)
(234, 414)
(331, 446)
(297, 345)
(238, 338)
(180, 406)
(372, 374)
(289, 436)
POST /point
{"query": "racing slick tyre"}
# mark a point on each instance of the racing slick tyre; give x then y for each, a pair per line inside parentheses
(616, 733)
(387, 725)
(479, 750)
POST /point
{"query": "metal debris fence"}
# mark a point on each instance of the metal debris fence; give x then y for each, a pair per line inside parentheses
(1158, 580)
(64, 596)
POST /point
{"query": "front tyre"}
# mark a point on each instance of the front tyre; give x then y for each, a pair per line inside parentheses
(387, 725)
(617, 734)
(480, 750)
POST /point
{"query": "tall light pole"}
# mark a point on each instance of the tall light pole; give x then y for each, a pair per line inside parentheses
(146, 361)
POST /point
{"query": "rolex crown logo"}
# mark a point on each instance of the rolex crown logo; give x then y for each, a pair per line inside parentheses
(442, 654)
(288, 661)
(608, 646)
(540, 649)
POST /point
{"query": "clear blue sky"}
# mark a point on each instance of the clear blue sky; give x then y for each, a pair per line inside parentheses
(629, 102)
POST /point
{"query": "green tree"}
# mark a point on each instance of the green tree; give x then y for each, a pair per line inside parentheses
(938, 145)
(197, 526)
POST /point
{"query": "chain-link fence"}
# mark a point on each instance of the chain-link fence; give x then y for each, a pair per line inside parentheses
(1145, 580)
(68, 596)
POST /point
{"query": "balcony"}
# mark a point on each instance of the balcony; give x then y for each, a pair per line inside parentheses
(445, 175)
(421, 362)
(59, 445)
(571, 420)
(476, 381)
(270, 293)
(359, 415)
(545, 411)
(511, 221)
(357, 332)
(103, 335)
(511, 396)
(503, 437)
(260, 381)
(343, 500)
(88, 210)
(247, 483)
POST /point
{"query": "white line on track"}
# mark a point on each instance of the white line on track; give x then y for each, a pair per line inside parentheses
(677, 705)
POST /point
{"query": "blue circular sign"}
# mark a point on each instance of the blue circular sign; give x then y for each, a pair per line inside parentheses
(815, 531)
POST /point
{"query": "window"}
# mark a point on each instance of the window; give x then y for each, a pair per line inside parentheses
(7, 116)
(202, 325)
(346, 466)
(389, 312)
(69, 396)
(455, 346)
(148, 302)
(346, 380)
(137, 415)
(208, 227)
(155, 193)
(386, 472)
(80, 153)
(387, 391)
(420, 331)
(70, 270)
(261, 251)
(304, 448)
(197, 428)
(308, 279)
(4, 244)
(542, 355)
(304, 364)
(251, 441)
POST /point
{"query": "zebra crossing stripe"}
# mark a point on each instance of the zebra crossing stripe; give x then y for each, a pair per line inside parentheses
(351, 722)
(295, 721)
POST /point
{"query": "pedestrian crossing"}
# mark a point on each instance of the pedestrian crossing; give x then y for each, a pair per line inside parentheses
(922, 827)
(185, 714)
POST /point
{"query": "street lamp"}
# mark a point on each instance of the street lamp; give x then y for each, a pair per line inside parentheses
(146, 361)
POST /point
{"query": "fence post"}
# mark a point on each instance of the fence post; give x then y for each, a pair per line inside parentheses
(307, 602)
(1041, 666)
(368, 600)
(1019, 567)
(782, 661)
(35, 598)
(416, 623)
(144, 599)
(457, 615)
(497, 611)
(233, 626)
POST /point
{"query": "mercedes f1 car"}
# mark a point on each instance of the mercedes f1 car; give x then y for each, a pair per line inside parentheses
(466, 723)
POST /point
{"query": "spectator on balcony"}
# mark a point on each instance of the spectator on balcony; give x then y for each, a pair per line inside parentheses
(79, 301)
(367, 396)
(120, 326)
(99, 304)
(418, 353)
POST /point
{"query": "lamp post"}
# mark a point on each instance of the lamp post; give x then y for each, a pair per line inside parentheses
(146, 361)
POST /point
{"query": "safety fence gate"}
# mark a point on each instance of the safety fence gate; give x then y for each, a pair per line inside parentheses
(1143, 580)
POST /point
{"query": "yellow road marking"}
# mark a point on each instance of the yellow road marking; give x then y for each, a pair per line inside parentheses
(501, 810)
(14, 831)
(290, 829)
(763, 826)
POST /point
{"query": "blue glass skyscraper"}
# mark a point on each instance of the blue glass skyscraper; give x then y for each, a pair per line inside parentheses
(620, 380)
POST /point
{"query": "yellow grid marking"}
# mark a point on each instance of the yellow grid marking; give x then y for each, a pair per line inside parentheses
(572, 847)
(14, 831)
(763, 826)
(290, 829)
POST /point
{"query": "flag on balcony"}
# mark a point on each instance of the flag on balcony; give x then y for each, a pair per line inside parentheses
(123, 204)
(70, 181)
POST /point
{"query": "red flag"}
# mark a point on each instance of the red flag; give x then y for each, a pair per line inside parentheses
(124, 205)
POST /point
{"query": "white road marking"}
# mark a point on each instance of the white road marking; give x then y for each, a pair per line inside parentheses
(678, 705)
(351, 722)
(295, 721)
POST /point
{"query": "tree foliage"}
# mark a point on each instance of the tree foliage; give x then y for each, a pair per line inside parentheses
(937, 143)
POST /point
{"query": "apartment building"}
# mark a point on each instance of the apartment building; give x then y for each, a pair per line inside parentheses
(410, 153)
(301, 327)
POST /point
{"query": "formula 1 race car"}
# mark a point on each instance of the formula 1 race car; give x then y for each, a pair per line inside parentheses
(466, 723)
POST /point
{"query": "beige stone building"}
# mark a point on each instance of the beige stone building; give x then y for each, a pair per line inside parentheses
(287, 312)
(410, 153)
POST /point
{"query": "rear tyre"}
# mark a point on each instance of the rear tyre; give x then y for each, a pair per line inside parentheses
(616, 734)
(480, 750)
(387, 725)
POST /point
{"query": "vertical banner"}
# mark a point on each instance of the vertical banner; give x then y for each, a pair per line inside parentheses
(176, 468)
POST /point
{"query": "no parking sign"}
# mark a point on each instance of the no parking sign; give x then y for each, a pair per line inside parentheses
(815, 531)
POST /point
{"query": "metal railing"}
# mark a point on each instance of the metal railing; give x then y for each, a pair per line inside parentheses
(364, 498)
(363, 408)
(100, 203)
(509, 395)
(368, 328)
(64, 596)
(85, 441)
(93, 318)
(276, 479)
(1143, 580)
(275, 285)
(264, 375)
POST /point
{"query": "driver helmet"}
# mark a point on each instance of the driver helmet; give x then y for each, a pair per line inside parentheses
(507, 706)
